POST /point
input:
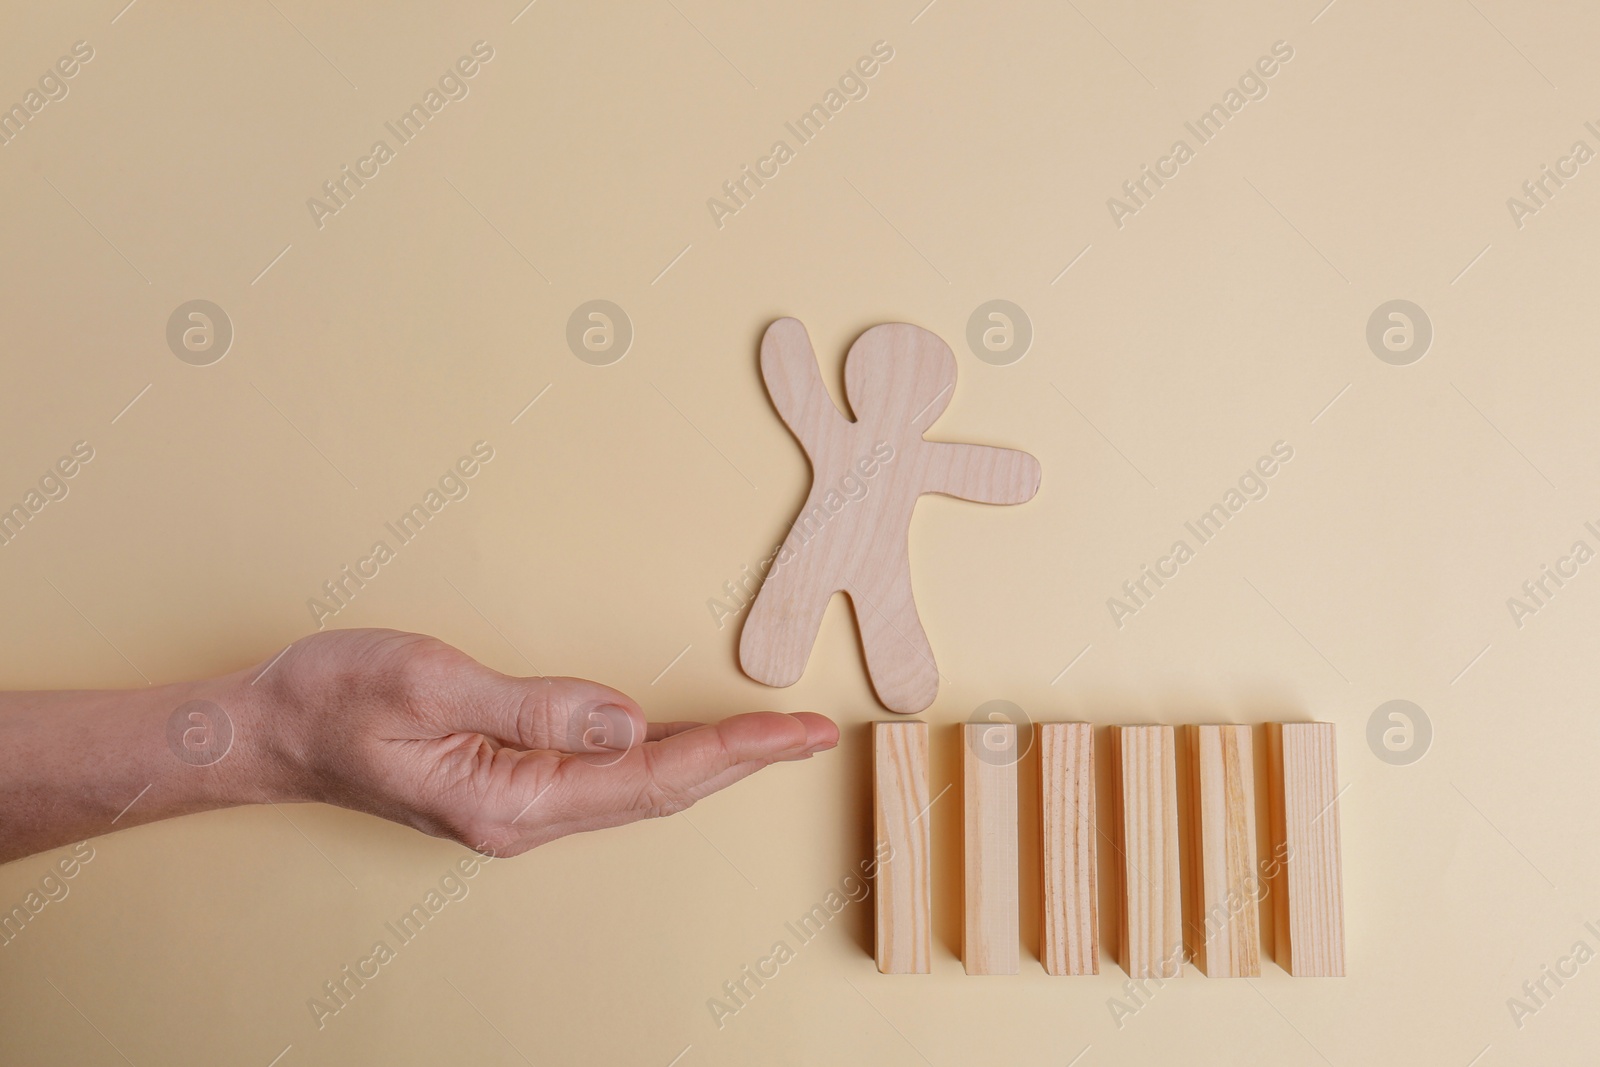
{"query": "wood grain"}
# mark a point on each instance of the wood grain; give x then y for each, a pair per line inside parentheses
(851, 533)
(1069, 941)
(1144, 763)
(990, 934)
(1308, 904)
(904, 929)
(1225, 921)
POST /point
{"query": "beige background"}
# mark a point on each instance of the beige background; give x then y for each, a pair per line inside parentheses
(1225, 316)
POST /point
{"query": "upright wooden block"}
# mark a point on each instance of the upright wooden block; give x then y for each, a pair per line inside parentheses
(990, 936)
(1069, 941)
(1225, 923)
(1144, 761)
(1308, 892)
(900, 821)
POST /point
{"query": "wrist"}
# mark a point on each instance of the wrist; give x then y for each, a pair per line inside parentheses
(232, 735)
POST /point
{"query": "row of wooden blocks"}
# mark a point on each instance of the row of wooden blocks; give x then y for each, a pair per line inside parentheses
(1301, 877)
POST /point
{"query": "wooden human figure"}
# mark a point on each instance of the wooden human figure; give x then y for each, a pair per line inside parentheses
(851, 533)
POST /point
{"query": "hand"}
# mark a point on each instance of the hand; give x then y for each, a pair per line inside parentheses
(398, 725)
(405, 727)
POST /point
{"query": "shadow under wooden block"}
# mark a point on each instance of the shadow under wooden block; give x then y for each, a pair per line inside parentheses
(991, 934)
(904, 930)
(1069, 940)
(1225, 916)
(1144, 763)
(1308, 892)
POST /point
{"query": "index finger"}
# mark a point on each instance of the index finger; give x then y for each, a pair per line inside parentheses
(666, 776)
(657, 731)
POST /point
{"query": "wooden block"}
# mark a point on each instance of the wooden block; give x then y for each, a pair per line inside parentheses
(900, 822)
(867, 473)
(1308, 892)
(991, 934)
(1225, 922)
(1144, 762)
(1069, 942)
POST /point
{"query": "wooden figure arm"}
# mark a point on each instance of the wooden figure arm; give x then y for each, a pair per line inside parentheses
(981, 473)
(789, 367)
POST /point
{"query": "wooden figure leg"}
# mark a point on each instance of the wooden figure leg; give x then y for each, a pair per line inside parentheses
(1070, 939)
(781, 628)
(1145, 764)
(1226, 920)
(899, 658)
(989, 942)
(901, 839)
(1308, 893)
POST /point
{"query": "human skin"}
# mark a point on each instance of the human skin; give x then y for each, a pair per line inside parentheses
(393, 724)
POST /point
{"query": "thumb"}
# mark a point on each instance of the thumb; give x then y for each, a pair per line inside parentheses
(559, 714)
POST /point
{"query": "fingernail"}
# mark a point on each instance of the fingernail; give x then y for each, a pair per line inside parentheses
(608, 728)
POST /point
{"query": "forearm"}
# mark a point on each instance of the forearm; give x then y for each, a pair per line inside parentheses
(79, 763)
